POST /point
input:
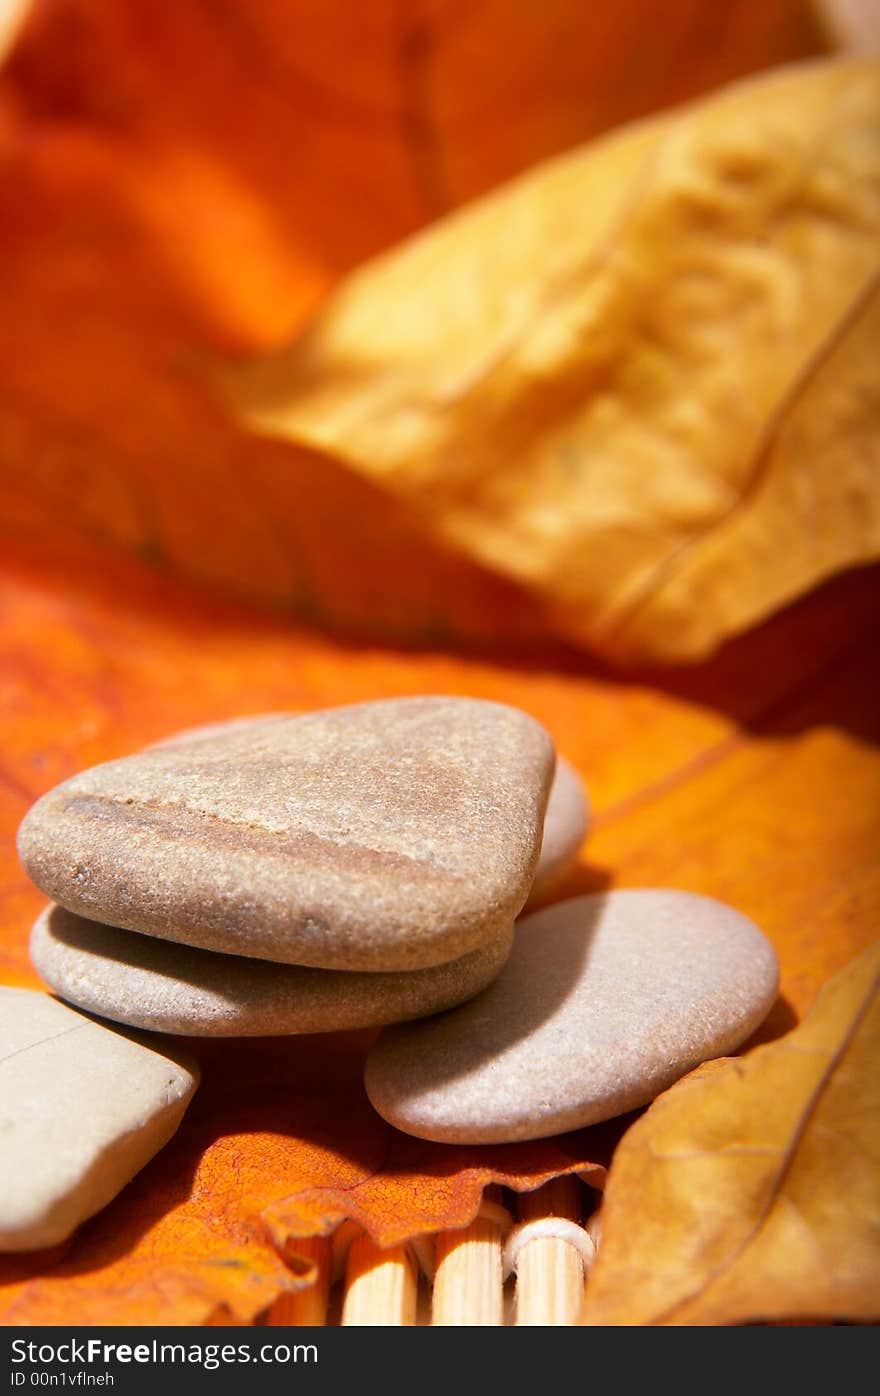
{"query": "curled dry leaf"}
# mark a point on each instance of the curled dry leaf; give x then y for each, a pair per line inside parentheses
(750, 1189)
(640, 381)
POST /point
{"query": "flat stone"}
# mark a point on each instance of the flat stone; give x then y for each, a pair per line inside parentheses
(565, 827)
(155, 984)
(82, 1109)
(382, 836)
(604, 1003)
(566, 820)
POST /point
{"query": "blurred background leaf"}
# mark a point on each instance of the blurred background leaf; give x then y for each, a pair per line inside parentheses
(641, 381)
(178, 180)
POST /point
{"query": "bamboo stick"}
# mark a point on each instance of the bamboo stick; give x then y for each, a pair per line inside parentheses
(306, 1308)
(550, 1269)
(380, 1286)
(468, 1283)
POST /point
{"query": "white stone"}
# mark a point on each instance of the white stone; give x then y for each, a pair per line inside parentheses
(82, 1109)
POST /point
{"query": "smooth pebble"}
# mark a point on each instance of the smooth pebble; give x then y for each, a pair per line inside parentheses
(605, 1001)
(382, 836)
(82, 1109)
(154, 984)
(565, 828)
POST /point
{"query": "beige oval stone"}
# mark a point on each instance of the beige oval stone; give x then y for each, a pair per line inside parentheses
(604, 1003)
(82, 1109)
(150, 983)
(381, 836)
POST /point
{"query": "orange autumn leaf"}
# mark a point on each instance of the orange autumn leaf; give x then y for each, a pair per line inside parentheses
(749, 1190)
(291, 141)
(755, 778)
(420, 1189)
(203, 1232)
(176, 180)
(184, 1242)
(183, 179)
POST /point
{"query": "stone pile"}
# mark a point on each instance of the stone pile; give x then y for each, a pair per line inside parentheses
(367, 866)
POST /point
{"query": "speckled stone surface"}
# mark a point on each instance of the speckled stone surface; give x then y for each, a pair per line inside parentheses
(82, 1109)
(566, 820)
(381, 836)
(605, 1001)
(154, 984)
(565, 828)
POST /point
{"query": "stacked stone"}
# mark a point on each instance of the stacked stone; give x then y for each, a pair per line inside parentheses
(343, 869)
(367, 866)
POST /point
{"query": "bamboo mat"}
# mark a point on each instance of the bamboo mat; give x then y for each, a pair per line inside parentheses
(524, 1260)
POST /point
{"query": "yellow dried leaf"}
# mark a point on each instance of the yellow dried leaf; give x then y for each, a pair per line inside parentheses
(751, 1189)
(641, 380)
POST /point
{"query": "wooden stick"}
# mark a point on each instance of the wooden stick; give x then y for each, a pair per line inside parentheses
(468, 1285)
(306, 1308)
(380, 1286)
(550, 1270)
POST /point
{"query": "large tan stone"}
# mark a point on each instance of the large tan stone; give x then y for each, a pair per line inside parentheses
(381, 836)
(566, 821)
